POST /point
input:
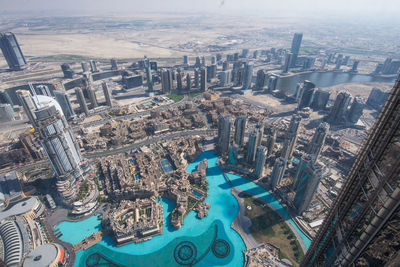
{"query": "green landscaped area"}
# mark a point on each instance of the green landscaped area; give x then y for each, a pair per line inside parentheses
(268, 227)
(175, 97)
(67, 57)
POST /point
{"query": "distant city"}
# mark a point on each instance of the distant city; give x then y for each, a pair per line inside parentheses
(223, 156)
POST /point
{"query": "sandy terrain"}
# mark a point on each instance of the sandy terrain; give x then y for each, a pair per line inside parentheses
(361, 89)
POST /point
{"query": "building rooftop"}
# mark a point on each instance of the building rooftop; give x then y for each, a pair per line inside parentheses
(20, 207)
(43, 255)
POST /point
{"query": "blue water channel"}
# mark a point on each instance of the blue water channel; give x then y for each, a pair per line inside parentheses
(200, 242)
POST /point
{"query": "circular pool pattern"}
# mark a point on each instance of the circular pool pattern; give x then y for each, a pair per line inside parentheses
(220, 248)
(185, 253)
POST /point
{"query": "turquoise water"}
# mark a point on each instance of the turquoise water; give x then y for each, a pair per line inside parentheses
(74, 232)
(251, 187)
(208, 242)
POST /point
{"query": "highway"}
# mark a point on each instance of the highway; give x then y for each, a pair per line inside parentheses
(152, 140)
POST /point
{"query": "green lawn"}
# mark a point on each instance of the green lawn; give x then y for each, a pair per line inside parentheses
(175, 97)
(268, 227)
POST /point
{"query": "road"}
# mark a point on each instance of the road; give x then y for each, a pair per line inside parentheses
(152, 140)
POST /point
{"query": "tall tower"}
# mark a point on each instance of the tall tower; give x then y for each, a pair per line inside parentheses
(81, 100)
(240, 128)
(93, 66)
(356, 109)
(287, 62)
(179, 85)
(248, 75)
(58, 142)
(107, 94)
(149, 77)
(166, 81)
(306, 94)
(261, 157)
(255, 139)
(296, 43)
(188, 82)
(196, 78)
(261, 80)
(65, 104)
(306, 183)
(224, 133)
(92, 96)
(12, 51)
(362, 226)
(317, 142)
(114, 64)
(278, 172)
(291, 137)
(203, 80)
(339, 109)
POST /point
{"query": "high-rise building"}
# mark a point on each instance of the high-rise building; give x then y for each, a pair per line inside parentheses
(261, 81)
(286, 64)
(377, 98)
(225, 65)
(179, 83)
(224, 133)
(346, 60)
(356, 109)
(107, 94)
(149, 77)
(114, 64)
(12, 51)
(240, 129)
(85, 66)
(224, 78)
(291, 137)
(166, 81)
(197, 64)
(306, 182)
(255, 139)
(386, 65)
(63, 100)
(245, 53)
(261, 157)
(248, 75)
(196, 78)
(339, 109)
(278, 172)
(93, 66)
(355, 66)
(5, 98)
(92, 96)
(320, 99)
(67, 71)
(271, 141)
(362, 225)
(185, 60)
(307, 91)
(188, 82)
(203, 80)
(203, 61)
(81, 100)
(296, 43)
(318, 140)
(40, 89)
(213, 61)
(58, 142)
(272, 82)
(6, 113)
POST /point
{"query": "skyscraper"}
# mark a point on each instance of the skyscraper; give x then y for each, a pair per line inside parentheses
(278, 172)
(6, 113)
(240, 128)
(93, 66)
(12, 51)
(296, 43)
(81, 99)
(317, 142)
(339, 109)
(224, 78)
(92, 96)
(320, 99)
(196, 78)
(255, 139)
(149, 77)
(67, 71)
(272, 82)
(203, 80)
(291, 137)
(248, 75)
(362, 225)
(188, 83)
(355, 66)
(166, 81)
(65, 104)
(306, 94)
(224, 133)
(287, 62)
(57, 140)
(356, 109)
(261, 80)
(185, 60)
(85, 66)
(179, 84)
(306, 182)
(114, 64)
(261, 157)
(107, 94)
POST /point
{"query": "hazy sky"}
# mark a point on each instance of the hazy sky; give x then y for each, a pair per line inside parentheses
(365, 8)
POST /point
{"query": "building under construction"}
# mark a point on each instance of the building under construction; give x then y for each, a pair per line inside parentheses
(363, 226)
